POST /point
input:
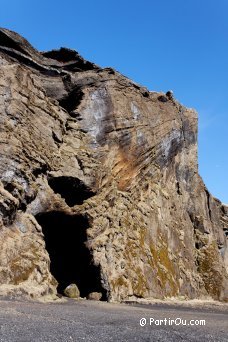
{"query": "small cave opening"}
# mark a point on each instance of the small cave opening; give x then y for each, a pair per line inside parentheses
(72, 189)
(72, 100)
(70, 260)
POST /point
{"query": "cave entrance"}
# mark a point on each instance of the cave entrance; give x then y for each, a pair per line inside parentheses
(71, 260)
(72, 189)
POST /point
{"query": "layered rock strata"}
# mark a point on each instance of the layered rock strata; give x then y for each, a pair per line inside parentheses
(99, 184)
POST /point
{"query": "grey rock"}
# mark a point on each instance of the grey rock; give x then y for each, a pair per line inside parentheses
(72, 291)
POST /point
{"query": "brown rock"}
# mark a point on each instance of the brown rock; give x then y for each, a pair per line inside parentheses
(100, 177)
(94, 296)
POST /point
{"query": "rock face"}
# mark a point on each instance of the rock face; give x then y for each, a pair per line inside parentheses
(99, 184)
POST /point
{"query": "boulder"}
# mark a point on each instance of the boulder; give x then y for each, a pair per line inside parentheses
(94, 296)
(72, 291)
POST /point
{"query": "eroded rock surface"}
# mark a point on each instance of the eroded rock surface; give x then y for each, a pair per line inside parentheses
(110, 171)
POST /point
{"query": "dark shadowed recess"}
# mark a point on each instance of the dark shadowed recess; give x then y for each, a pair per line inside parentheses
(72, 189)
(71, 260)
(64, 55)
(72, 99)
(8, 42)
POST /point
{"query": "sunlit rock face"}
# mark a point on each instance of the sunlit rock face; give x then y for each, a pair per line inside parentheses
(99, 184)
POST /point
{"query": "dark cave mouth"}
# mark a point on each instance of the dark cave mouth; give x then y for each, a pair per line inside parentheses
(70, 259)
(72, 189)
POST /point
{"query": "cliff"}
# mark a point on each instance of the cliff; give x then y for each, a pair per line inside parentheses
(99, 184)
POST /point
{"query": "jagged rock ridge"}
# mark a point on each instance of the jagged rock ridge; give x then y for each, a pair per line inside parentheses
(99, 184)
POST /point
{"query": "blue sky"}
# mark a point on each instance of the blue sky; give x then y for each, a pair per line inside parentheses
(180, 45)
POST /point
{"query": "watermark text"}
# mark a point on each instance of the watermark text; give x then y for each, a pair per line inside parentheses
(170, 321)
